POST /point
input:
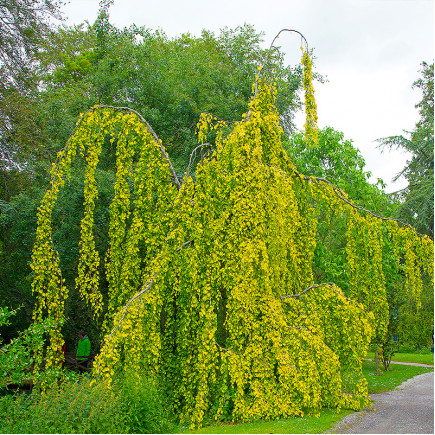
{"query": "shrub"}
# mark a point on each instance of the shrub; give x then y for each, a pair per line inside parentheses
(80, 406)
(143, 406)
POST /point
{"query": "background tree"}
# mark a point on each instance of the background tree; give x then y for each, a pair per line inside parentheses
(338, 161)
(413, 324)
(417, 199)
(24, 25)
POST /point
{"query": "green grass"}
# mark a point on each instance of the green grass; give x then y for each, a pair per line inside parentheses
(297, 425)
(422, 358)
(328, 417)
(387, 381)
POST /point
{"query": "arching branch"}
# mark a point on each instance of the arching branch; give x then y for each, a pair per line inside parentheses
(270, 51)
(340, 194)
(150, 129)
(193, 153)
(142, 119)
(261, 68)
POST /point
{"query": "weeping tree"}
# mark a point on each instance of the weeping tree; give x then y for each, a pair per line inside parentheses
(211, 287)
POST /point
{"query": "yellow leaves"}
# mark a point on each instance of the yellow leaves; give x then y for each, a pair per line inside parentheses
(208, 123)
(311, 131)
(88, 276)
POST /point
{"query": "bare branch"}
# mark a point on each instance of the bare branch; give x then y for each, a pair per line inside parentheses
(183, 245)
(193, 153)
(270, 51)
(144, 289)
(340, 194)
(306, 290)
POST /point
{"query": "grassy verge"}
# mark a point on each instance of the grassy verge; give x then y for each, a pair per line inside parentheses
(297, 425)
(421, 358)
(389, 380)
(328, 417)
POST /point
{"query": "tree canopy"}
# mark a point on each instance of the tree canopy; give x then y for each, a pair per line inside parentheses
(24, 26)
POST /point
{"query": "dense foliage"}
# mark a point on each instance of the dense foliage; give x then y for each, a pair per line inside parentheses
(239, 274)
(77, 406)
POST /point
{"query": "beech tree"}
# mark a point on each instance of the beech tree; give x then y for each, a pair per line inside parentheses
(211, 285)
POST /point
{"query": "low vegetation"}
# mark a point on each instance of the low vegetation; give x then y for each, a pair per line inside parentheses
(78, 405)
(134, 405)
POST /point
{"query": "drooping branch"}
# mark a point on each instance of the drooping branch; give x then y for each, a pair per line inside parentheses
(150, 129)
(340, 194)
(142, 119)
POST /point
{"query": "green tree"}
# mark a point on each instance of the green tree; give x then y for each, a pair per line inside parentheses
(337, 161)
(169, 81)
(413, 324)
(24, 25)
(417, 199)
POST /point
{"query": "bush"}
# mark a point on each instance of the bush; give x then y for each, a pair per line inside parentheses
(133, 405)
(143, 406)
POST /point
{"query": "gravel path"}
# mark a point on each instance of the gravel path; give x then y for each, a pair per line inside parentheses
(408, 409)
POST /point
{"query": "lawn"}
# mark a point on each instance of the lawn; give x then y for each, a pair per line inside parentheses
(422, 358)
(397, 374)
(299, 425)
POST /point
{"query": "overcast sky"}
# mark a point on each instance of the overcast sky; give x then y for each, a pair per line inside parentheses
(370, 51)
